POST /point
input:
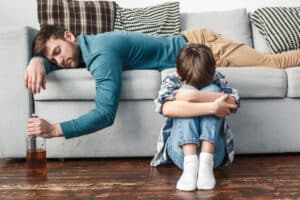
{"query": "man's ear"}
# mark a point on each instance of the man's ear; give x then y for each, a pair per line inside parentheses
(69, 36)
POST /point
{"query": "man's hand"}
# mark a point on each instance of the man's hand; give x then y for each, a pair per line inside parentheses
(42, 128)
(222, 108)
(35, 76)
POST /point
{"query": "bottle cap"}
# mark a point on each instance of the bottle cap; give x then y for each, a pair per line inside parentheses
(34, 115)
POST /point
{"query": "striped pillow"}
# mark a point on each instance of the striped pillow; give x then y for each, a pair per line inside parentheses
(87, 17)
(163, 19)
(280, 26)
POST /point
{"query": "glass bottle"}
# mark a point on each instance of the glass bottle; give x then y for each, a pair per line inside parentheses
(36, 154)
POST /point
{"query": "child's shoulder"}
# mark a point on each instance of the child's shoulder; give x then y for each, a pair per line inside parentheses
(172, 77)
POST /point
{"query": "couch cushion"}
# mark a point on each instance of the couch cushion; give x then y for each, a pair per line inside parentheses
(259, 42)
(254, 82)
(78, 84)
(233, 24)
(279, 26)
(293, 82)
(88, 17)
(161, 19)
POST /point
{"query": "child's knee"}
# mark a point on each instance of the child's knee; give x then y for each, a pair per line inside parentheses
(211, 88)
(187, 123)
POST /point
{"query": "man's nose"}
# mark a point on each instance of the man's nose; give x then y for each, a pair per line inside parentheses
(59, 60)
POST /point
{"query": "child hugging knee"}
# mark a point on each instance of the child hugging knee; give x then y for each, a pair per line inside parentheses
(195, 136)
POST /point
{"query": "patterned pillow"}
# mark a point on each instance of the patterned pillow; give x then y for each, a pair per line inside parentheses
(163, 19)
(279, 26)
(88, 17)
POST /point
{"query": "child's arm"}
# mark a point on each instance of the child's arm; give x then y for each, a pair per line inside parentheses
(219, 108)
(200, 96)
(168, 105)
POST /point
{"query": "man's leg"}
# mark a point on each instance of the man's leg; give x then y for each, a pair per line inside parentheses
(245, 56)
(234, 54)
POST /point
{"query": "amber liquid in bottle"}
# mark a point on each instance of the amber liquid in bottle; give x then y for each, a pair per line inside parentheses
(37, 162)
(36, 155)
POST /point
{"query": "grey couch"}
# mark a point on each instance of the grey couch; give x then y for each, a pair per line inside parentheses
(267, 121)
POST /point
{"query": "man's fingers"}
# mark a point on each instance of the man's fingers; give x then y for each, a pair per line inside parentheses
(32, 84)
(44, 82)
(26, 79)
(28, 83)
(33, 120)
(38, 84)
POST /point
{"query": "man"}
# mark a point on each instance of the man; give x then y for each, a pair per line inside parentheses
(106, 55)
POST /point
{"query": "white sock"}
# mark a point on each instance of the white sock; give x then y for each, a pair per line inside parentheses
(188, 179)
(206, 178)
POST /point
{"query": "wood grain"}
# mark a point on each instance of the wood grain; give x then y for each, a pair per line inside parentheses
(249, 177)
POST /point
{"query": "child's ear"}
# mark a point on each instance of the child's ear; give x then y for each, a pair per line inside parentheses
(178, 74)
(69, 36)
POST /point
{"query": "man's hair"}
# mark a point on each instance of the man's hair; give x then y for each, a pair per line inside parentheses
(46, 32)
(196, 65)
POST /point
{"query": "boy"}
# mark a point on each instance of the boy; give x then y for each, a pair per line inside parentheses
(195, 124)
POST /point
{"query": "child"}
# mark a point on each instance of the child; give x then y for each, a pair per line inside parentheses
(195, 124)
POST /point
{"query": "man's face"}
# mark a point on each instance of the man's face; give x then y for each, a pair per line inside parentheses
(63, 53)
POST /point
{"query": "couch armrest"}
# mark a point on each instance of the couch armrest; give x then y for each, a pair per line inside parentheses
(16, 102)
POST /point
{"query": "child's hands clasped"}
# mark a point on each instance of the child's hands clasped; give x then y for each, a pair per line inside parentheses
(222, 108)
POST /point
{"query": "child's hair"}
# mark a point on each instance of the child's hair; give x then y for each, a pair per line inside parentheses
(196, 65)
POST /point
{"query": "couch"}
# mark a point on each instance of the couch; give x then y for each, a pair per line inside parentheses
(267, 121)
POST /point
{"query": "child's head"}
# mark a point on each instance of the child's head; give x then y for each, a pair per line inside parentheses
(196, 65)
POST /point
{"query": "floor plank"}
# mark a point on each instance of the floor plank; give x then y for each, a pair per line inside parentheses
(249, 177)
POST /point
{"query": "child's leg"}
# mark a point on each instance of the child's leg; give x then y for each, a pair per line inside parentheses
(212, 151)
(212, 146)
(182, 149)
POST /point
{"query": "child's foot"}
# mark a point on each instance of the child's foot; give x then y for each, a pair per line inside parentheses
(206, 179)
(188, 179)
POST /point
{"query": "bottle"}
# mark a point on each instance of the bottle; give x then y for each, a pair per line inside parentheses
(36, 154)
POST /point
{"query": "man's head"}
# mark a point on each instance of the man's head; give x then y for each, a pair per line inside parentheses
(196, 65)
(58, 46)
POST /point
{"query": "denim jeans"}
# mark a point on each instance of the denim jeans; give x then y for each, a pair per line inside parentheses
(193, 130)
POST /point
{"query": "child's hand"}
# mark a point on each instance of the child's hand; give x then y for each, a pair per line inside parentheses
(222, 108)
(231, 100)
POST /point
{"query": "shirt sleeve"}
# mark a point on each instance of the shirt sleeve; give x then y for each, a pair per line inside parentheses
(49, 67)
(107, 73)
(167, 91)
(219, 80)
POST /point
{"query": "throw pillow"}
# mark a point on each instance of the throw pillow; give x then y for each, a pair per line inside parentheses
(163, 19)
(87, 17)
(279, 26)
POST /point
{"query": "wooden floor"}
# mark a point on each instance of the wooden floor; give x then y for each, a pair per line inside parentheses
(250, 177)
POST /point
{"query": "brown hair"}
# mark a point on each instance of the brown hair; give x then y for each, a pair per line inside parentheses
(46, 32)
(196, 65)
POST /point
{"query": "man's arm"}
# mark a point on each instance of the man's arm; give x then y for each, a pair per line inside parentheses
(107, 74)
(107, 71)
(35, 74)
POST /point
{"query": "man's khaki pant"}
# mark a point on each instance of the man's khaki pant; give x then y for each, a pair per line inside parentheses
(234, 54)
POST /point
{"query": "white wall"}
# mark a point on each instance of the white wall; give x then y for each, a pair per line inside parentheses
(23, 12)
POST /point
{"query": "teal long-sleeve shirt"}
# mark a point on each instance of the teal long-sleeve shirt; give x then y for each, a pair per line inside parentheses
(105, 56)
